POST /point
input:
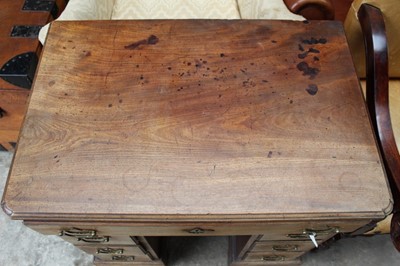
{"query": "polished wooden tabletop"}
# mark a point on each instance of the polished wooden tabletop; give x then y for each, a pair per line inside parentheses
(196, 120)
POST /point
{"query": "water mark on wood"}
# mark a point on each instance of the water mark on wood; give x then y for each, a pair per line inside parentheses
(312, 89)
(152, 40)
(312, 72)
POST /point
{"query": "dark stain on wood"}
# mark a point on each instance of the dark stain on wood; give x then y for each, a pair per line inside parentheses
(312, 89)
(152, 40)
(311, 50)
(312, 72)
(198, 63)
(263, 30)
(303, 55)
(315, 41)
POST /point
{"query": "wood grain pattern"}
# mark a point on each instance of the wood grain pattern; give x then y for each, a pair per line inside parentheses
(186, 120)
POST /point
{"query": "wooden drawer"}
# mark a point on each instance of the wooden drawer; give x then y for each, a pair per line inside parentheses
(99, 262)
(266, 252)
(283, 246)
(122, 258)
(295, 262)
(272, 256)
(131, 253)
(107, 250)
(99, 240)
(270, 230)
(301, 231)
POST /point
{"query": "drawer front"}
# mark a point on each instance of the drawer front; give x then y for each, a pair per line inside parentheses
(268, 257)
(283, 246)
(302, 231)
(295, 262)
(118, 253)
(132, 253)
(122, 258)
(126, 261)
(270, 231)
(99, 240)
(108, 250)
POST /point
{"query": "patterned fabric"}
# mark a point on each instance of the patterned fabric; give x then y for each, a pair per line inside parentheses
(175, 9)
(266, 9)
(83, 10)
(88, 10)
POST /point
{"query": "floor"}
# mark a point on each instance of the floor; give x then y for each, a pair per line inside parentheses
(21, 246)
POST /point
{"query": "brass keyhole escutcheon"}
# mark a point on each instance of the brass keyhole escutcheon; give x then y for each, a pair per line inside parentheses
(199, 230)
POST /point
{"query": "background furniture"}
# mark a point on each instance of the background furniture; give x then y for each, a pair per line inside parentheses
(341, 8)
(21, 21)
(192, 9)
(379, 27)
(254, 134)
(376, 83)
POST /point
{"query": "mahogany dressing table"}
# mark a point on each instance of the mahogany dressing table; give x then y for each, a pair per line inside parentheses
(139, 130)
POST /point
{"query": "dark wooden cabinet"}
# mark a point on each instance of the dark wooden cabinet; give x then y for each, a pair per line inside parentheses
(19, 53)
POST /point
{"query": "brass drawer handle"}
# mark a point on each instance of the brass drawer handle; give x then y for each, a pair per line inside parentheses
(95, 239)
(198, 230)
(273, 258)
(76, 232)
(116, 251)
(316, 232)
(298, 236)
(327, 231)
(123, 258)
(285, 247)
